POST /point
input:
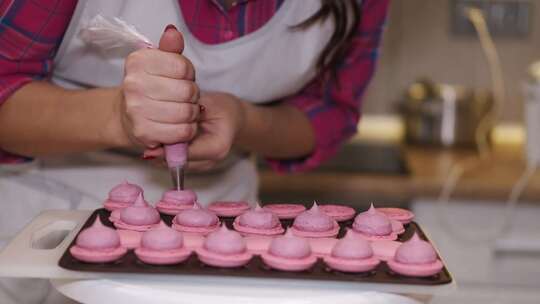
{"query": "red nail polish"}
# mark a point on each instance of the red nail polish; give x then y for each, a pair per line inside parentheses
(148, 157)
(202, 108)
(170, 27)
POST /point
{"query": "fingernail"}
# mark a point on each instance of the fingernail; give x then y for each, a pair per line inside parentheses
(170, 27)
(148, 157)
(202, 108)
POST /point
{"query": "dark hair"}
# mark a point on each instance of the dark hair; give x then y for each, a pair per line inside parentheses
(346, 15)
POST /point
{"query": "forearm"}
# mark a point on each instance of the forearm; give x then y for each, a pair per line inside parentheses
(44, 119)
(280, 131)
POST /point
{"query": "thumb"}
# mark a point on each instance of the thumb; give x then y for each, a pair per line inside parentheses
(171, 40)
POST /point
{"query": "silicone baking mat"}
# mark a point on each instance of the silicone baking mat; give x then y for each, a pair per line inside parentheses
(255, 268)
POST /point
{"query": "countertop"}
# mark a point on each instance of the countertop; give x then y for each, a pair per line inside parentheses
(489, 180)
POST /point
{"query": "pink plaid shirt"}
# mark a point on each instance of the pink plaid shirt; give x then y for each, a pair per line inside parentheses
(31, 32)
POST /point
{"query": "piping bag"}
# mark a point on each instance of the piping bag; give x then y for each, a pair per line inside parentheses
(114, 33)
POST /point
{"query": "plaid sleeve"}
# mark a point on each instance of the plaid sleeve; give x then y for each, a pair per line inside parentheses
(30, 33)
(334, 110)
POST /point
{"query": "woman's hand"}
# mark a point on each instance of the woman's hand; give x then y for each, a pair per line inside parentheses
(219, 126)
(159, 104)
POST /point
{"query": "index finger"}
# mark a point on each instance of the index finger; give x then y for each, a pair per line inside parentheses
(166, 64)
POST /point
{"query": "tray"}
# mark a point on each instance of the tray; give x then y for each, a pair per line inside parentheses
(129, 264)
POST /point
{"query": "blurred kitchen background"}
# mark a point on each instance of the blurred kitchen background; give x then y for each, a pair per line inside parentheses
(429, 47)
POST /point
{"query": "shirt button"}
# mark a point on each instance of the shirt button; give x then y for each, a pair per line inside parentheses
(228, 35)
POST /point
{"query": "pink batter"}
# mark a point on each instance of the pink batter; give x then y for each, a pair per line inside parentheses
(98, 244)
(228, 209)
(340, 213)
(285, 211)
(402, 215)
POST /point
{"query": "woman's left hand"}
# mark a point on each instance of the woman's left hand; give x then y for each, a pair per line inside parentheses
(220, 122)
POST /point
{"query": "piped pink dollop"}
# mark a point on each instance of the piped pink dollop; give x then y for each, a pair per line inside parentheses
(352, 247)
(179, 197)
(225, 241)
(313, 220)
(140, 213)
(125, 192)
(259, 218)
(196, 217)
(290, 246)
(372, 222)
(98, 237)
(162, 238)
(416, 251)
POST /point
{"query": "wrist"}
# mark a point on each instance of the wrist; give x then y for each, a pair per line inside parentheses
(241, 125)
(113, 133)
(251, 127)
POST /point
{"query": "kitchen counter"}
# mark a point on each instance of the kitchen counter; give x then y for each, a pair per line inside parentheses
(491, 179)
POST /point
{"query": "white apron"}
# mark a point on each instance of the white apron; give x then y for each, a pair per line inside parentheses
(263, 66)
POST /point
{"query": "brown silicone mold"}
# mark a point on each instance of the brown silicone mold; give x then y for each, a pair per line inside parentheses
(255, 268)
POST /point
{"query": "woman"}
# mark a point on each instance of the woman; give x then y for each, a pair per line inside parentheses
(279, 78)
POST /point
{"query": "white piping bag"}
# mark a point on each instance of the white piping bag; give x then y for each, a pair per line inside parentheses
(113, 33)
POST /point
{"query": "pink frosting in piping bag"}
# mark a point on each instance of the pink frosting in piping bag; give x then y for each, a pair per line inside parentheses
(176, 155)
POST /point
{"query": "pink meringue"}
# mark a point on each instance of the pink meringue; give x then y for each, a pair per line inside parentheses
(139, 217)
(314, 223)
(122, 195)
(352, 254)
(352, 247)
(258, 222)
(290, 246)
(174, 201)
(98, 244)
(224, 248)
(196, 220)
(289, 253)
(374, 225)
(417, 258)
(162, 246)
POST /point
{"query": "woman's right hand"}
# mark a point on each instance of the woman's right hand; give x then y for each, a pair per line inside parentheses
(160, 97)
